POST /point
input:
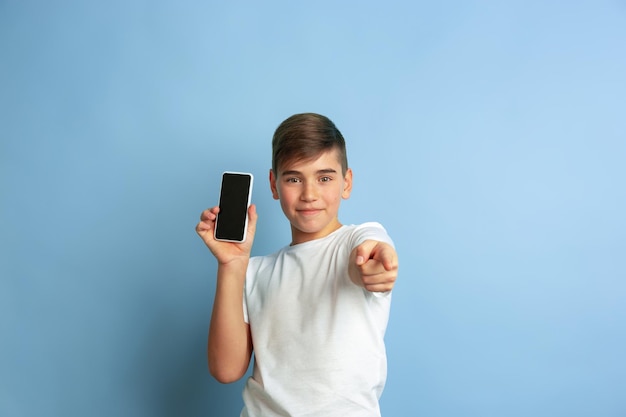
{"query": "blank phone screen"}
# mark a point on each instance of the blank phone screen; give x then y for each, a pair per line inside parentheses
(234, 198)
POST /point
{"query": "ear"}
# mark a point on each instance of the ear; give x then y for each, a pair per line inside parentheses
(347, 184)
(273, 185)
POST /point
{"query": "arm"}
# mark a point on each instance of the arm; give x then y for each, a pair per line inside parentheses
(230, 344)
(373, 265)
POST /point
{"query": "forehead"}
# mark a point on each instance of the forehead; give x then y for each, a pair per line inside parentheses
(328, 159)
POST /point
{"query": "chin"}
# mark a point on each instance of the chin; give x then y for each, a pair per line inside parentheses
(308, 230)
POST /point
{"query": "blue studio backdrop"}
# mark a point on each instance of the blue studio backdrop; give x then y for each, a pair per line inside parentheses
(488, 137)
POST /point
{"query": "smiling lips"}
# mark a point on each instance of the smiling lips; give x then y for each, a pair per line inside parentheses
(308, 211)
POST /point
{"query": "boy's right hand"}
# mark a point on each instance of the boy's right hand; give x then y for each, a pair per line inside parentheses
(226, 252)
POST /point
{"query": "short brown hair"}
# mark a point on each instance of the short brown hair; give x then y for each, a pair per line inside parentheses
(306, 136)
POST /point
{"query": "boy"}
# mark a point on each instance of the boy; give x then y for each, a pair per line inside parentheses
(315, 312)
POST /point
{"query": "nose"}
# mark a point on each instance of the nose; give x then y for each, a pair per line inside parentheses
(309, 192)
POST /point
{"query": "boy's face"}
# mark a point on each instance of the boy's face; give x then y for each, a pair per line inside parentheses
(310, 193)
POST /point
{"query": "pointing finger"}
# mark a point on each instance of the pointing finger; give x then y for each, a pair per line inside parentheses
(364, 251)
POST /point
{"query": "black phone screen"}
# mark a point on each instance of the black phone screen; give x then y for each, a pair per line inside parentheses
(234, 200)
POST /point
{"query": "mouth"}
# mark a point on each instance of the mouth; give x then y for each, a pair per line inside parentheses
(308, 211)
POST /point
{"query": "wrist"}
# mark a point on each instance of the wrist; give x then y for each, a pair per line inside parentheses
(234, 266)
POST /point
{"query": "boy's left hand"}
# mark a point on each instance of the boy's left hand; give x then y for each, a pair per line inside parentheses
(374, 266)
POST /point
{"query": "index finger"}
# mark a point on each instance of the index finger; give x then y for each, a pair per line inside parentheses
(364, 251)
(386, 255)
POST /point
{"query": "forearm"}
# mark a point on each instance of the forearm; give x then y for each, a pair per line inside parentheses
(229, 345)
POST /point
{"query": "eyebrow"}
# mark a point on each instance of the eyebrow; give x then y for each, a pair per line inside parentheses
(319, 172)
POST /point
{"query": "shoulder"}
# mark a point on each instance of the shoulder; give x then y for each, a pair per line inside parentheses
(264, 259)
(259, 262)
(368, 231)
(370, 225)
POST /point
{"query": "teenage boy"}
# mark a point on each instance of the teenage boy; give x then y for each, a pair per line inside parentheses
(315, 312)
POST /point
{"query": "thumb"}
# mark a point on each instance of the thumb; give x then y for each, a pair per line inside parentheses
(252, 218)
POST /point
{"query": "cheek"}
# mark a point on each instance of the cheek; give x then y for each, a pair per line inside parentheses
(335, 197)
(286, 198)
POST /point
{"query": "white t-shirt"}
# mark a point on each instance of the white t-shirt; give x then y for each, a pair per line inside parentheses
(317, 337)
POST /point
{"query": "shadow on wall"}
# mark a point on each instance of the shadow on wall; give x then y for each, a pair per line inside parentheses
(162, 285)
(171, 377)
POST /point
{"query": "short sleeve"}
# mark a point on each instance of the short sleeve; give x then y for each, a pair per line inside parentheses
(252, 266)
(245, 308)
(369, 231)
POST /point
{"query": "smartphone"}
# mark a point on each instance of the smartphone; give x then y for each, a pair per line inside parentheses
(231, 223)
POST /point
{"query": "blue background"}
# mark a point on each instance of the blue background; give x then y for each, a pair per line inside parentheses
(488, 137)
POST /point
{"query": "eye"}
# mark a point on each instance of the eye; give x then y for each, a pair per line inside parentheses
(326, 179)
(292, 180)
